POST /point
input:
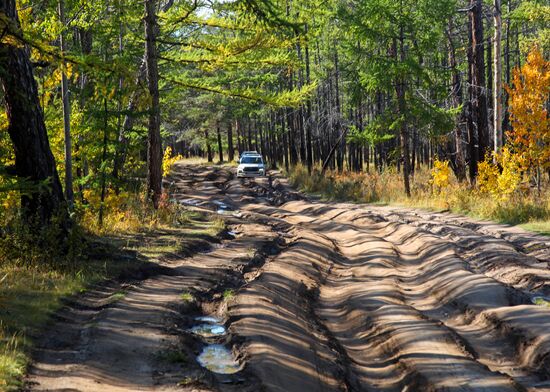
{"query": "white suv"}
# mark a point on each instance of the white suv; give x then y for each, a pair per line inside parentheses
(251, 165)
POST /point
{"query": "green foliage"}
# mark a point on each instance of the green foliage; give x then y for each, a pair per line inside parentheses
(536, 14)
(400, 41)
(372, 135)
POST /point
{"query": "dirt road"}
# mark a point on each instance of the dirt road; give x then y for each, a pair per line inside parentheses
(320, 296)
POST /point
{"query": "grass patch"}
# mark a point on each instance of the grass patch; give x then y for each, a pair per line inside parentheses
(187, 297)
(117, 296)
(526, 207)
(538, 227)
(189, 381)
(228, 294)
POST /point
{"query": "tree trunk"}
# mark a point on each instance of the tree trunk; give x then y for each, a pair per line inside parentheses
(309, 119)
(497, 79)
(103, 161)
(489, 93)
(154, 145)
(33, 157)
(220, 147)
(456, 94)
(131, 107)
(249, 134)
(478, 97)
(506, 119)
(208, 148)
(333, 150)
(285, 143)
(238, 131)
(66, 114)
(338, 124)
(473, 150)
(81, 162)
(230, 148)
(401, 104)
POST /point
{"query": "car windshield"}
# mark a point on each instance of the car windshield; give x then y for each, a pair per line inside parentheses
(251, 159)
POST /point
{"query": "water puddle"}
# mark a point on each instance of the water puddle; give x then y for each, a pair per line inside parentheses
(541, 301)
(208, 319)
(209, 327)
(208, 330)
(223, 209)
(218, 359)
(190, 202)
(221, 205)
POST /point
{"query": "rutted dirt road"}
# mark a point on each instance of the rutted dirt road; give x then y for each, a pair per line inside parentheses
(322, 297)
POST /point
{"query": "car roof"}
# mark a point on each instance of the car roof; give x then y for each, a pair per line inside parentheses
(250, 153)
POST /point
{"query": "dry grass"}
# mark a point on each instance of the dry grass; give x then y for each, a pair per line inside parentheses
(525, 207)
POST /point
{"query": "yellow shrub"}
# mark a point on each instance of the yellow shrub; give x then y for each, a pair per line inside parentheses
(501, 184)
(168, 161)
(441, 174)
(487, 175)
(509, 179)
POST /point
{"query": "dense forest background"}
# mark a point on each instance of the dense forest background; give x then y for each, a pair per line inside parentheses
(113, 88)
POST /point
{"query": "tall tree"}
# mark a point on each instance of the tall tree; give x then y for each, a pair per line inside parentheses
(497, 78)
(478, 91)
(66, 112)
(154, 142)
(34, 160)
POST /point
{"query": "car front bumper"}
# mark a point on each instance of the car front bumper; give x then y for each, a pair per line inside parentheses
(250, 174)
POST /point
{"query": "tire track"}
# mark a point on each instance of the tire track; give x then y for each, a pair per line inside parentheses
(447, 304)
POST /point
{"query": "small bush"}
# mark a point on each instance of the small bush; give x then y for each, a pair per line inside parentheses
(441, 175)
(168, 161)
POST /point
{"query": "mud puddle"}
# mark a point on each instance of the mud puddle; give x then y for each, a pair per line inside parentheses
(218, 359)
(209, 327)
(215, 357)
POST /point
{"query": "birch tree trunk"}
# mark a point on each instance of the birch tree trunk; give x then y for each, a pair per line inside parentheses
(497, 78)
(478, 88)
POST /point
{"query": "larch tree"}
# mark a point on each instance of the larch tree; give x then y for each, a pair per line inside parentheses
(34, 160)
(398, 49)
(154, 141)
(66, 111)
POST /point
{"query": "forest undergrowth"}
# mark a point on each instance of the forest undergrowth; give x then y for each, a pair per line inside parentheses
(435, 189)
(37, 271)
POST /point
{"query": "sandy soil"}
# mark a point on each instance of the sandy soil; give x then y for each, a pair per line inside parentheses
(324, 297)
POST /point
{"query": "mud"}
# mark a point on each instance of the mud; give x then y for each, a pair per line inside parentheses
(316, 296)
